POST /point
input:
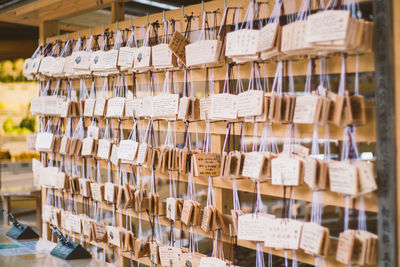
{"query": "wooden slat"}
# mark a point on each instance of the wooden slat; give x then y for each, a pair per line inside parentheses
(303, 192)
(301, 255)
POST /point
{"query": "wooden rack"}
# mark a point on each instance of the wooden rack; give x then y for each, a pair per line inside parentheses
(365, 134)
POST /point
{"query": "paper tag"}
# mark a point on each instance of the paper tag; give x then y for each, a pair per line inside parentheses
(252, 226)
(343, 178)
(283, 234)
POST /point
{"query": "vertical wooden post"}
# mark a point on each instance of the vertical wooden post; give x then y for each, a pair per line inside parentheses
(387, 118)
(117, 11)
(47, 28)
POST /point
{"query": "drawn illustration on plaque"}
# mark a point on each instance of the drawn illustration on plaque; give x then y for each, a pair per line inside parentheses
(96, 59)
(188, 263)
(139, 57)
(78, 59)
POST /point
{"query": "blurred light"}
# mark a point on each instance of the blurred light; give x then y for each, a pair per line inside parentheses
(156, 4)
(367, 156)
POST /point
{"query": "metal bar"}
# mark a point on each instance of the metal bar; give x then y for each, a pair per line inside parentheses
(385, 130)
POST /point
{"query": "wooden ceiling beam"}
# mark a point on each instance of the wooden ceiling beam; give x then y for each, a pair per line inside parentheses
(34, 6)
(69, 8)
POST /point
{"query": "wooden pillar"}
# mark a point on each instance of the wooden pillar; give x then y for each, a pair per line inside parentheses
(387, 126)
(47, 28)
(117, 11)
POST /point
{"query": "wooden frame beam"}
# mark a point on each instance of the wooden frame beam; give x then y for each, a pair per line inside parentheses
(46, 29)
(117, 11)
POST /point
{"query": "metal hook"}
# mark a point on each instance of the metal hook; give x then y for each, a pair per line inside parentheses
(79, 34)
(225, 5)
(163, 15)
(147, 17)
(67, 36)
(116, 25)
(202, 5)
(131, 23)
(183, 11)
(91, 33)
(102, 27)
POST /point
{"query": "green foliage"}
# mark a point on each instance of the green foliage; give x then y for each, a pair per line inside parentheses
(11, 71)
(26, 126)
(28, 123)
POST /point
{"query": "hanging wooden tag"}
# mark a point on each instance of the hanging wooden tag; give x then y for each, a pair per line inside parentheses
(367, 182)
(103, 149)
(307, 109)
(114, 235)
(126, 57)
(253, 164)
(355, 110)
(206, 219)
(190, 259)
(169, 254)
(187, 212)
(143, 151)
(84, 185)
(235, 164)
(345, 247)
(128, 243)
(343, 178)
(235, 218)
(203, 52)
(141, 248)
(283, 234)
(275, 108)
(114, 154)
(97, 191)
(127, 150)
(177, 46)
(250, 103)
(154, 252)
(115, 107)
(87, 146)
(251, 226)
(206, 164)
(162, 56)
(110, 192)
(212, 262)
(314, 239)
(286, 171)
(100, 107)
(223, 106)
(336, 108)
